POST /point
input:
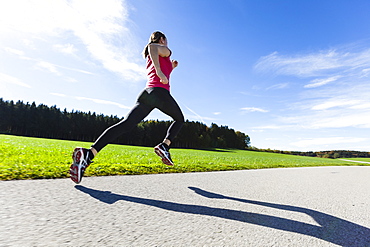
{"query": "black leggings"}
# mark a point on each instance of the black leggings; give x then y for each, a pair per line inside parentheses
(149, 99)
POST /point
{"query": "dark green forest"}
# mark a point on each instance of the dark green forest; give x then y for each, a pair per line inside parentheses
(33, 120)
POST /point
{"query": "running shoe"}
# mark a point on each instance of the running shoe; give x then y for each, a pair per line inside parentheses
(162, 151)
(81, 160)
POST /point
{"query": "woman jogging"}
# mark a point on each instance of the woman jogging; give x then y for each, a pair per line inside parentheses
(156, 95)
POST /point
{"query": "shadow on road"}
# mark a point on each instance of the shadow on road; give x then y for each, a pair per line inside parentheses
(331, 229)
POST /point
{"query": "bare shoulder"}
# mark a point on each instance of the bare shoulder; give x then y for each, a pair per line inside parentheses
(163, 51)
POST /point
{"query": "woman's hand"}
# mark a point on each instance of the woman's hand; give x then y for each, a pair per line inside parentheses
(175, 63)
(163, 78)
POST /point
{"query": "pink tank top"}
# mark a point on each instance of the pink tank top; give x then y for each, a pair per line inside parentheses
(153, 79)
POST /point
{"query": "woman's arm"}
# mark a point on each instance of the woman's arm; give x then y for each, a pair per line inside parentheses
(155, 51)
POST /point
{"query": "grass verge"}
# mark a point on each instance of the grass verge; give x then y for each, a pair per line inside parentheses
(37, 158)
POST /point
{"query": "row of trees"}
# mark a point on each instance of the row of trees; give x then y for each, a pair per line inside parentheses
(333, 154)
(50, 122)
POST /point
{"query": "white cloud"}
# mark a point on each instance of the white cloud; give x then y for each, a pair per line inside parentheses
(301, 65)
(70, 79)
(278, 86)
(332, 103)
(337, 118)
(104, 102)
(44, 65)
(331, 114)
(12, 80)
(269, 127)
(316, 64)
(19, 53)
(361, 105)
(343, 102)
(97, 101)
(253, 109)
(337, 108)
(196, 115)
(48, 66)
(340, 120)
(321, 82)
(325, 119)
(102, 26)
(14, 51)
(327, 141)
(365, 72)
(66, 48)
(59, 94)
(73, 69)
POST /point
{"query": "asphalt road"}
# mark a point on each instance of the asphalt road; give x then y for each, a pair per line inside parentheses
(319, 206)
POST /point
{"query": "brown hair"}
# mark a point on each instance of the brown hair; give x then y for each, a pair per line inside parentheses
(154, 38)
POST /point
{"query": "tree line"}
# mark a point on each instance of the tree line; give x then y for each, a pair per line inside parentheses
(50, 122)
(332, 154)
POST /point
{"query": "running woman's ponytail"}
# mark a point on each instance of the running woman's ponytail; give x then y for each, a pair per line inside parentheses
(154, 38)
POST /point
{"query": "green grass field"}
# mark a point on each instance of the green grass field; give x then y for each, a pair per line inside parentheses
(37, 158)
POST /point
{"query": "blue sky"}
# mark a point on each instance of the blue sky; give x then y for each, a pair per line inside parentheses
(293, 75)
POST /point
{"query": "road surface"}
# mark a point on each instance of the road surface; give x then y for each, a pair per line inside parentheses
(317, 206)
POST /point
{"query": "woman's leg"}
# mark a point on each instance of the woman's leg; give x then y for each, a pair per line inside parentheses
(167, 104)
(82, 157)
(170, 107)
(138, 113)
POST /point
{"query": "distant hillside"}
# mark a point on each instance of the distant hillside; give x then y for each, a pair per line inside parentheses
(334, 154)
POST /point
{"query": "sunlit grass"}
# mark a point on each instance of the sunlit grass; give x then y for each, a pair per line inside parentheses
(36, 158)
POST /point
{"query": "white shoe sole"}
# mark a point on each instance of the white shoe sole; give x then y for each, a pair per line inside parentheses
(75, 169)
(165, 160)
